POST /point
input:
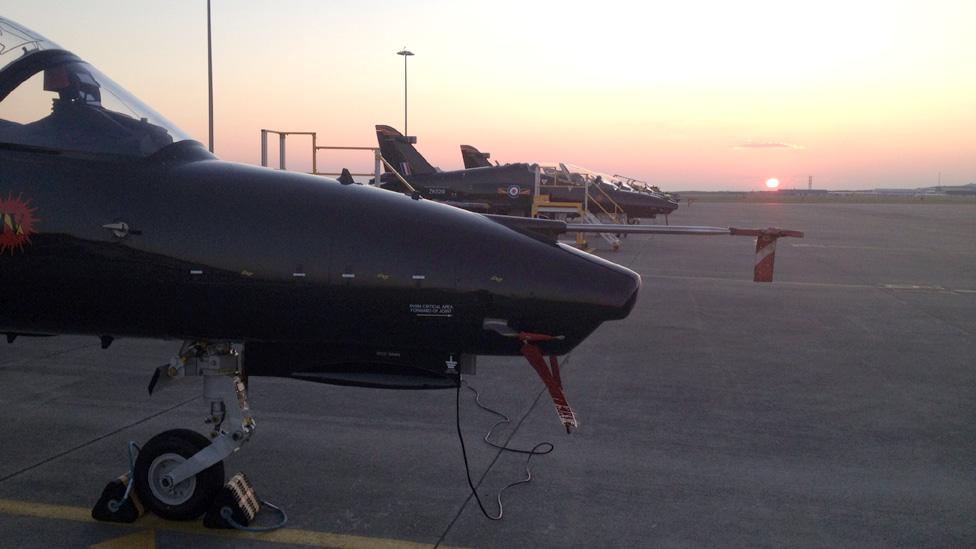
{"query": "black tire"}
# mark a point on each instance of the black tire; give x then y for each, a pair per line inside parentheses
(192, 497)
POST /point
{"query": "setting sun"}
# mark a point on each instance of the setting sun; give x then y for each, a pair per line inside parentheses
(772, 183)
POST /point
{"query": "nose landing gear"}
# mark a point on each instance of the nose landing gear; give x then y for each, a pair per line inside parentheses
(179, 472)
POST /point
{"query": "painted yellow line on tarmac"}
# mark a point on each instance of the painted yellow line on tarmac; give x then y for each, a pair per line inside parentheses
(44, 510)
(310, 538)
(145, 539)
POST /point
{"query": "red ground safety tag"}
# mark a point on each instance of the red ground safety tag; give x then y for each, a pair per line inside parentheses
(553, 382)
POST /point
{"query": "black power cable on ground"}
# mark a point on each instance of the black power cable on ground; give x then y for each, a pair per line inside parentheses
(541, 448)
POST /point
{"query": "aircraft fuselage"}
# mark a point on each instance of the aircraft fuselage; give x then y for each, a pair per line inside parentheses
(222, 251)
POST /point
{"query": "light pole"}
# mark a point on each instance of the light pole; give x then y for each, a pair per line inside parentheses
(405, 53)
(210, 79)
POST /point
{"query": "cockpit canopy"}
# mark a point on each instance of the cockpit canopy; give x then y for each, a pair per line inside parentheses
(17, 41)
(51, 99)
(569, 174)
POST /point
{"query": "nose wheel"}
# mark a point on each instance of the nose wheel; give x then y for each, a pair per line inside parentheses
(185, 500)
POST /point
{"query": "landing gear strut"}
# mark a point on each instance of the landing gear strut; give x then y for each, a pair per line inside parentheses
(178, 473)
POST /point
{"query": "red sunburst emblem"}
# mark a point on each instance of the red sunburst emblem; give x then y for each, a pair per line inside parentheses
(17, 223)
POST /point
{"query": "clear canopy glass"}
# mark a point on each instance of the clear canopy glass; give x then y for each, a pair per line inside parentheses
(59, 102)
(570, 173)
(17, 41)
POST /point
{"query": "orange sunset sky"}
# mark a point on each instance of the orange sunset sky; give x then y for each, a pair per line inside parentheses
(686, 95)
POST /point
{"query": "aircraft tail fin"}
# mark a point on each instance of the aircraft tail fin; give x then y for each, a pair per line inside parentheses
(400, 152)
(473, 158)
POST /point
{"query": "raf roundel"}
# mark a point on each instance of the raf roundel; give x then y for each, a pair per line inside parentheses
(514, 191)
(17, 223)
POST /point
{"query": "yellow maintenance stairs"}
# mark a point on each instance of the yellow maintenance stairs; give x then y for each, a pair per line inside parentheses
(543, 206)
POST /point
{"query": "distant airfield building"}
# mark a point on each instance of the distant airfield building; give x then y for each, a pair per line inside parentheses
(940, 190)
(961, 190)
(907, 192)
(801, 192)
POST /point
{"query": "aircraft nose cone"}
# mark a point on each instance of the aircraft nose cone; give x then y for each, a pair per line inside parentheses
(578, 292)
(628, 289)
(664, 203)
(608, 288)
(549, 288)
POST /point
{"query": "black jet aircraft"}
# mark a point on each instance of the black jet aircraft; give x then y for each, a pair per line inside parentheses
(508, 189)
(114, 223)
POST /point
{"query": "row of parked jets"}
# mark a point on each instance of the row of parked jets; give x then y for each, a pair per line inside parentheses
(510, 189)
